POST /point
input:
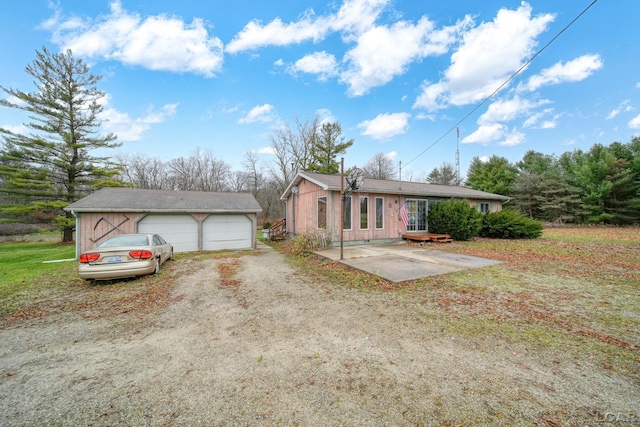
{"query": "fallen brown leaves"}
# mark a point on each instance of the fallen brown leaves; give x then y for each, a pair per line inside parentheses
(227, 271)
(102, 299)
(595, 267)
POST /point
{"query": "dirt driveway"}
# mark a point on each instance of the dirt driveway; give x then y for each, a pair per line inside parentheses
(267, 347)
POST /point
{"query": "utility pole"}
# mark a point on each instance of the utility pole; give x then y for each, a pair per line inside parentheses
(341, 207)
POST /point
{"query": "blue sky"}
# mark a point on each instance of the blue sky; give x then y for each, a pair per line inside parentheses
(395, 74)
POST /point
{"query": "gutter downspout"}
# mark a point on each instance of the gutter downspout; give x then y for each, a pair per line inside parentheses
(77, 232)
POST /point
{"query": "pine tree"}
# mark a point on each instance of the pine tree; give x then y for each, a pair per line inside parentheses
(64, 129)
(326, 146)
(444, 175)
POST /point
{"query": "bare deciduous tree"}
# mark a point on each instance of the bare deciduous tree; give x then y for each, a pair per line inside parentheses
(292, 149)
(201, 171)
(379, 167)
(144, 172)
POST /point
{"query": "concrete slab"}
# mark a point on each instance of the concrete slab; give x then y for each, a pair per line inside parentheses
(401, 262)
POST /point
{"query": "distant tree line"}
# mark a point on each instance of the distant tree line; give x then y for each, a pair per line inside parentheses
(54, 163)
(601, 185)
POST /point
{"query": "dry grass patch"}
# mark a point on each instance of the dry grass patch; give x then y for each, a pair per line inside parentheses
(574, 290)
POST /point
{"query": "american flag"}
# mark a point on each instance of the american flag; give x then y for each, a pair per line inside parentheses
(404, 215)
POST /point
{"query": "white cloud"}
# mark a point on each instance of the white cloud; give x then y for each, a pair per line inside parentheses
(507, 110)
(14, 100)
(384, 52)
(635, 122)
(424, 116)
(573, 71)
(276, 33)
(485, 134)
(325, 115)
(385, 126)
(321, 63)
(133, 129)
(624, 106)
(495, 133)
(488, 55)
(380, 52)
(512, 138)
(535, 118)
(353, 17)
(266, 150)
(159, 42)
(392, 155)
(17, 129)
(264, 113)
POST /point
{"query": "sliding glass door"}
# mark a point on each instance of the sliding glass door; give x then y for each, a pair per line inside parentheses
(417, 210)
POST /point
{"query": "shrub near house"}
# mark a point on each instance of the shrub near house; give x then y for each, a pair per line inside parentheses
(508, 224)
(464, 222)
(455, 217)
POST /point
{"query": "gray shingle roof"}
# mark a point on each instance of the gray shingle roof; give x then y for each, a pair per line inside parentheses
(332, 183)
(139, 200)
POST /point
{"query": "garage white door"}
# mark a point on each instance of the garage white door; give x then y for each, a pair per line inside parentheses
(179, 230)
(226, 232)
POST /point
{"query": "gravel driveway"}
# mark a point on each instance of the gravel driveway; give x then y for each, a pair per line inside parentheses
(273, 349)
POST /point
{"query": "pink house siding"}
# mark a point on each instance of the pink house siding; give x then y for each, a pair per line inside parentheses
(302, 206)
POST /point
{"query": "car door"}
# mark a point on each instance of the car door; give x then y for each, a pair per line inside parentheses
(162, 246)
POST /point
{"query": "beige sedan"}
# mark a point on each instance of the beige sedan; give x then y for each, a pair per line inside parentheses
(126, 255)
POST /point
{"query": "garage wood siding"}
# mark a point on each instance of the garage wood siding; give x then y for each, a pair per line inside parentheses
(181, 230)
(227, 232)
(94, 227)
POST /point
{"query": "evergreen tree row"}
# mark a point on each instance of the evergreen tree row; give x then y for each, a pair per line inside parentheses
(599, 186)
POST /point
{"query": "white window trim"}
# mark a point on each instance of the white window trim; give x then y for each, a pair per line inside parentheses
(326, 207)
(375, 225)
(360, 212)
(351, 216)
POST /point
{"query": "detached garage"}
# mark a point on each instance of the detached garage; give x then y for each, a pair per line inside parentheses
(189, 220)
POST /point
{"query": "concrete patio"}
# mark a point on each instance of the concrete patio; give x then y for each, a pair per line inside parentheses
(401, 262)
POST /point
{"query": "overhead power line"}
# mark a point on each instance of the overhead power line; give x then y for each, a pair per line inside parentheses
(525, 65)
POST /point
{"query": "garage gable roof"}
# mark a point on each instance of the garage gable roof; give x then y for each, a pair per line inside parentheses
(381, 186)
(112, 199)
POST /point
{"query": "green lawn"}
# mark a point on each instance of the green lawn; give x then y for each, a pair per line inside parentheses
(22, 266)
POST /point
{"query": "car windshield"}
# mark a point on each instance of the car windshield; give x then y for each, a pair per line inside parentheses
(125, 241)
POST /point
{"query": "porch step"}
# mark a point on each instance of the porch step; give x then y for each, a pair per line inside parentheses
(428, 237)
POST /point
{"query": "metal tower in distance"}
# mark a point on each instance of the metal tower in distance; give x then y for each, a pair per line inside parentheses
(458, 156)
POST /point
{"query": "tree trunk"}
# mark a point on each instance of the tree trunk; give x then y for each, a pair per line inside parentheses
(67, 234)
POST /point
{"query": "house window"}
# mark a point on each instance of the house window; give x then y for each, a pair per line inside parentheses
(484, 207)
(347, 213)
(322, 212)
(417, 212)
(379, 212)
(364, 212)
